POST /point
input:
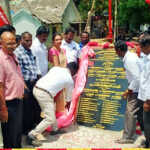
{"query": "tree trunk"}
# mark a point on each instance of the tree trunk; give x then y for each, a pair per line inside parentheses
(88, 23)
(116, 23)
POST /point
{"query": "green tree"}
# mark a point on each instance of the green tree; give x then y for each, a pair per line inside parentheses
(85, 5)
(133, 13)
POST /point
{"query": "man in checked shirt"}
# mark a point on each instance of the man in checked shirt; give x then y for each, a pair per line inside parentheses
(30, 71)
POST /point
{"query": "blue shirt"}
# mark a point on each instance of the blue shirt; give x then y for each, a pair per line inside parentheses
(81, 45)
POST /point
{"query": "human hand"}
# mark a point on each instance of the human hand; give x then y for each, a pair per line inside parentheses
(126, 94)
(146, 106)
(3, 114)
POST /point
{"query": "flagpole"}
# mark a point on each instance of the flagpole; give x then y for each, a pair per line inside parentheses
(110, 19)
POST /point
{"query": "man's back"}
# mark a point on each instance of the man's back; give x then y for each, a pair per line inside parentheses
(55, 80)
(132, 68)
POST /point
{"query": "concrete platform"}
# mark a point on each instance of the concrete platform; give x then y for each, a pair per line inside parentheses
(77, 136)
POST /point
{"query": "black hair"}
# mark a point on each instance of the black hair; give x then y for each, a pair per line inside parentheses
(42, 30)
(24, 33)
(145, 40)
(84, 32)
(6, 28)
(73, 67)
(121, 45)
(68, 30)
(18, 38)
(54, 35)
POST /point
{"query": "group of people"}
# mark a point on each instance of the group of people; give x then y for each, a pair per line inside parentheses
(138, 94)
(29, 88)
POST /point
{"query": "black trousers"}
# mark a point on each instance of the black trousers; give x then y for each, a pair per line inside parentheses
(146, 118)
(31, 109)
(12, 130)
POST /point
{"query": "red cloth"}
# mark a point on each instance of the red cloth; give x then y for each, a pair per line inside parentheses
(130, 44)
(93, 43)
(3, 18)
(106, 45)
(65, 119)
(147, 1)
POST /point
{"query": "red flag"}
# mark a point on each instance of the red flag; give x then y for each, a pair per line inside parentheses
(147, 1)
(3, 18)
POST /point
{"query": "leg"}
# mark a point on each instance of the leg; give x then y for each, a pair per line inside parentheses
(12, 130)
(31, 111)
(47, 106)
(60, 102)
(146, 118)
(140, 114)
(130, 118)
(27, 113)
(1, 137)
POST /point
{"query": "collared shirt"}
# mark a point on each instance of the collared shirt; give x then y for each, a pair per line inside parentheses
(11, 76)
(72, 50)
(144, 92)
(132, 67)
(27, 63)
(57, 79)
(39, 50)
(81, 45)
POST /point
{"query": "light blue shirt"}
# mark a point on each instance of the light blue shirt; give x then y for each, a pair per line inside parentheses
(144, 89)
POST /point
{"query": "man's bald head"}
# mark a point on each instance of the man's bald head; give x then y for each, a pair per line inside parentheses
(8, 42)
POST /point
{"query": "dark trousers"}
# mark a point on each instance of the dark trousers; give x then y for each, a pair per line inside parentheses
(31, 109)
(12, 130)
(146, 118)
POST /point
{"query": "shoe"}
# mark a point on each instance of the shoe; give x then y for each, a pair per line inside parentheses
(124, 141)
(40, 137)
(147, 144)
(57, 132)
(31, 140)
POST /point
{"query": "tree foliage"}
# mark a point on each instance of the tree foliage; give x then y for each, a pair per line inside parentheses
(85, 5)
(133, 13)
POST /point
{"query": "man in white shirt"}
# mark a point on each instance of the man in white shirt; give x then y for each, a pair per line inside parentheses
(144, 89)
(134, 108)
(72, 48)
(46, 89)
(39, 49)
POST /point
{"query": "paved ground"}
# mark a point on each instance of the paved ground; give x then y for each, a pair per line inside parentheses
(77, 136)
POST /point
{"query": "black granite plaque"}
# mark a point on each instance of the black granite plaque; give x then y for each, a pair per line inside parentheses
(101, 104)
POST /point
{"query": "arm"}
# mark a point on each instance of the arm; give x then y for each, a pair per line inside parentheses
(146, 106)
(3, 107)
(69, 91)
(134, 70)
(54, 57)
(55, 60)
(147, 85)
